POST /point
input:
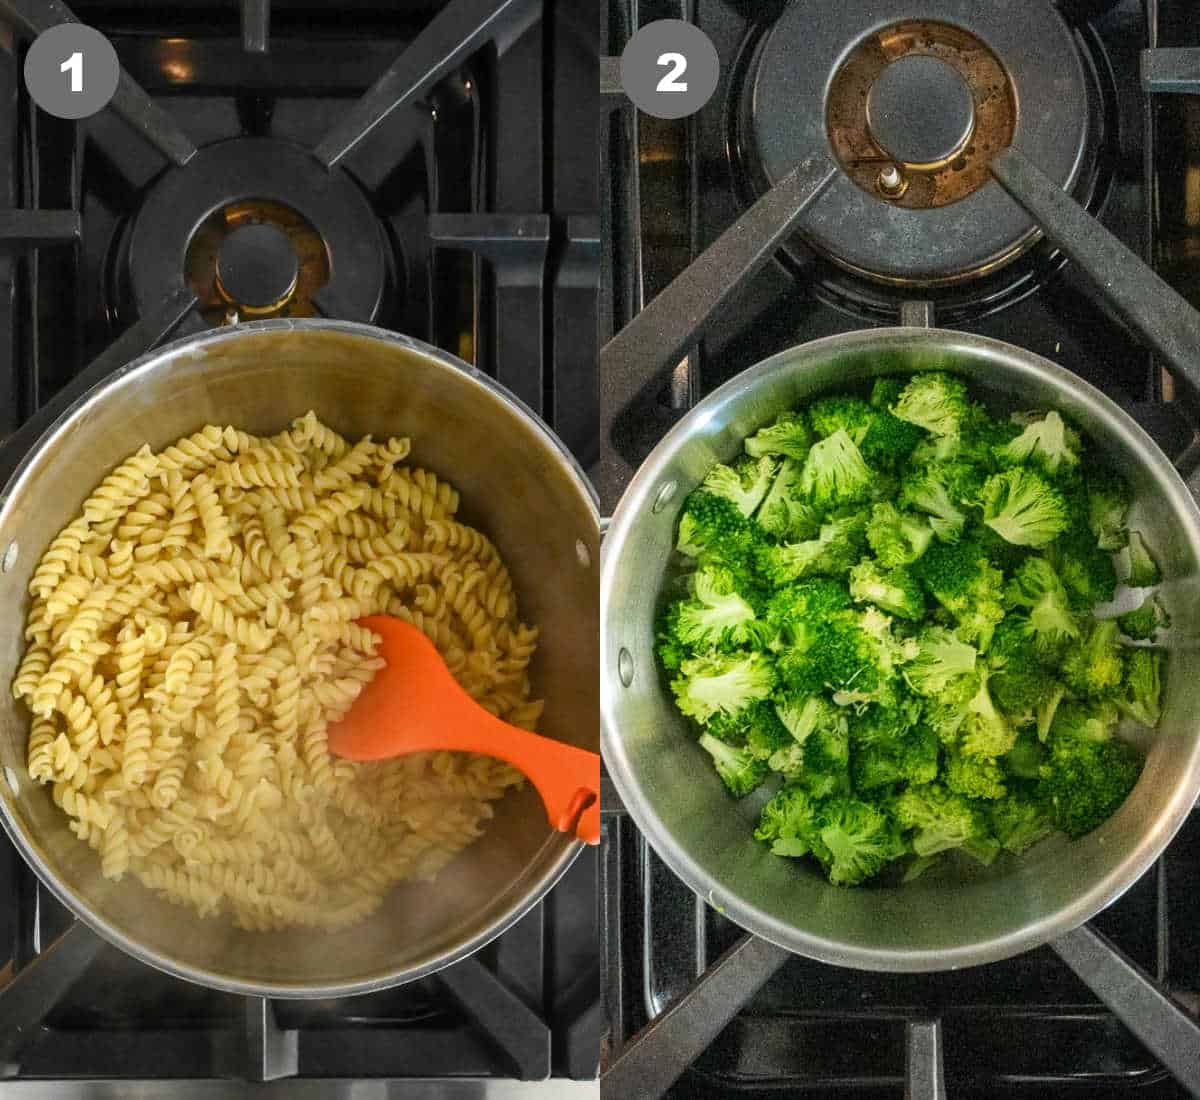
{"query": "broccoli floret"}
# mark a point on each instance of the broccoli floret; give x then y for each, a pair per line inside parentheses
(1139, 566)
(801, 719)
(1085, 569)
(1020, 678)
(1048, 708)
(744, 484)
(855, 840)
(884, 440)
(895, 590)
(788, 436)
(881, 724)
(798, 610)
(788, 822)
(966, 584)
(886, 391)
(936, 402)
(851, 415)
(834, 473)
(1019, 822)
(1143, 623)
(721, 683)
(826, 767)
(1094, 665)
(897, 538)
(718, 616)
(941, 658)
(1085, 721)
(836, 548)
(832, 654)
(1140, 697)
(881, 653)
(1108, 506)
(755, 727)
(1085, 781)
(941, 490)
(941, 819)
(785, 511)
(671, 651)
(739, 770)
(1047, 442)
(1024, 760)
(1022, 508)
(911, 757)
(973, 776)
(1036, 586)
(711, 526)
(985, 732)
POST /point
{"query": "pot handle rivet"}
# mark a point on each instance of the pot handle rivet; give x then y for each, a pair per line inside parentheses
(625, 667)
(10, 557)
(664, 496)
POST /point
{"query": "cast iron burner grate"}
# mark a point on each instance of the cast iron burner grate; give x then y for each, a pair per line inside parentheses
(430, 168)
(694, 1007)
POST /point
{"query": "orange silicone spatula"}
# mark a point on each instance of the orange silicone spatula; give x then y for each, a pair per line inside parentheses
(414, 704)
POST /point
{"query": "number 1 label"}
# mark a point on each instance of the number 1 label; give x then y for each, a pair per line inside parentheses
(74, 66)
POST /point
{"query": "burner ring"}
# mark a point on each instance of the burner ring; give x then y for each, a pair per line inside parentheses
(941, 225)
(247, 169)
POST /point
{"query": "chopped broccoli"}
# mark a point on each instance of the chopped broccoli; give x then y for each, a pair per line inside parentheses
(788, 436)
(1094, 665)
(785, 511)
(1140, 697)
(744, 484)
(936, 402)
(856, 839)
(836, 548)
(718, 616)
(941, 657)
(721, 683)
(1143, 623)
(941, 819)
(966, 584)
(1140, 568)
(739, 770)
(1108, 506)
(1085, 780)
(1036, 586)
(834, 473)
(712, 526)
(789, 822)
(973, 776)
(891, 605)
(941, 490)
(895, 590)
(1047, 442)
(1023, 508)
(897, 538)
(1019, 821)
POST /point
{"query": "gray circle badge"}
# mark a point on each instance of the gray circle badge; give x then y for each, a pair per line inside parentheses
(71, 71)
(670, 68)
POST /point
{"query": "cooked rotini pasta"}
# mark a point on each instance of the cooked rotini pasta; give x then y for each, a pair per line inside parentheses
(191, 636)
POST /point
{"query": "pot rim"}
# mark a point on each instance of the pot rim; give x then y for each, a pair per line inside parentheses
(533, 891)
(745, 912)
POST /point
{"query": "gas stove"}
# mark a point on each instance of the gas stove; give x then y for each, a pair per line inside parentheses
(429, 168)
(881, 110)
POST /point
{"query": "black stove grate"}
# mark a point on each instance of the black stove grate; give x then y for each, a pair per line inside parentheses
(687, 991)
(463, 129)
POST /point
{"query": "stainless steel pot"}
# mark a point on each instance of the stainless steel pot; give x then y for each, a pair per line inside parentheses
(518, 483)
(956, 915)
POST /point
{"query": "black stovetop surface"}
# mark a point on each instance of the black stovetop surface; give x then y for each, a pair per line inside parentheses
(1025, 1027)
(485, 192)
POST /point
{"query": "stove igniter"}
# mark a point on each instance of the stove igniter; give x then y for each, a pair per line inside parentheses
(257, 269)
(920, 111)
(891, 182)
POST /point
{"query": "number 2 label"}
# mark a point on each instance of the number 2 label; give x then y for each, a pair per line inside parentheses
(671, 82)
(74, 66)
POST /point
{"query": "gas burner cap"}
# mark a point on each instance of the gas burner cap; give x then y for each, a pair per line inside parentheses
(257, 268)
(920, 111)
(914, 110)
(259, 226)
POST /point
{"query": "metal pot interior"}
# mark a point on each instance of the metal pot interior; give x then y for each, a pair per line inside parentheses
(960, 913)
(518, 485)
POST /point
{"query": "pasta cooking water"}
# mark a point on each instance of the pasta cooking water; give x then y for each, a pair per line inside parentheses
(192, 635)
